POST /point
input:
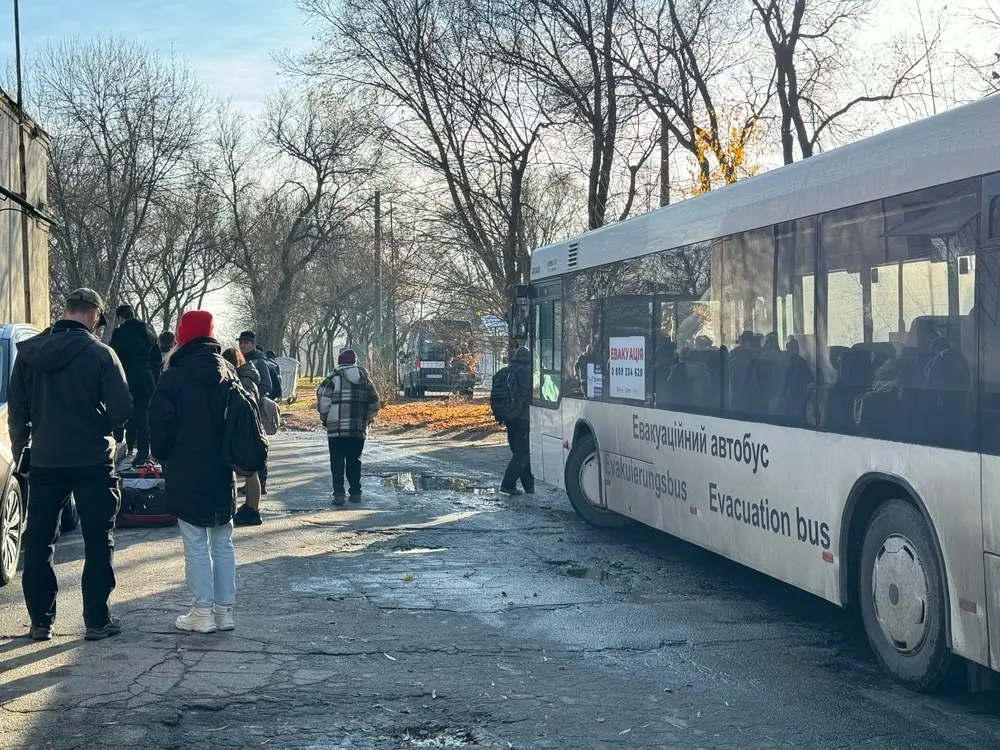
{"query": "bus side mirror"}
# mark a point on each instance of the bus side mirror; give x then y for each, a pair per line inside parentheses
(520, 314)
(963, 265)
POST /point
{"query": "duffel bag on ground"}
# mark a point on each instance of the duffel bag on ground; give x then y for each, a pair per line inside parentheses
(143, 508)
(143, 477)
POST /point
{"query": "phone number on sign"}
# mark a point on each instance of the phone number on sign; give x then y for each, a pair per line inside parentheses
(627, 372)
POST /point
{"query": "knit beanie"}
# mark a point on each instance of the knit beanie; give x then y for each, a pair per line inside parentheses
(196, 324)
(347, 357)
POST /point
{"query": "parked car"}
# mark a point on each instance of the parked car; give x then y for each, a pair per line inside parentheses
(14, 500)
(435, 358)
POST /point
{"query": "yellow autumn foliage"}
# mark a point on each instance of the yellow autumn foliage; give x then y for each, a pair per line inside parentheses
(723, 162)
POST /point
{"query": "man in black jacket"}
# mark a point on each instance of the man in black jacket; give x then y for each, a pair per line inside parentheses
(518, 427)
(68, 394)
(140, 355)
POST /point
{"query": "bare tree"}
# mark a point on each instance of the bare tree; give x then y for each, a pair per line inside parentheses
(686, 60)
(450, 109)
(122, 121)
(814, 48)
(326, 150)
(568, 48)
(182, 256)
(985, 65)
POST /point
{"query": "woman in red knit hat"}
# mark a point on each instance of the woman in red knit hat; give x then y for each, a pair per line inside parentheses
(186, 423)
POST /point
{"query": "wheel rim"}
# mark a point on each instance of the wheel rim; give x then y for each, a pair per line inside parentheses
(899, 590)
(10, 528)
(590, 480)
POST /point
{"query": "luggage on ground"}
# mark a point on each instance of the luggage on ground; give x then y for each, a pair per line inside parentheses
(144, 502)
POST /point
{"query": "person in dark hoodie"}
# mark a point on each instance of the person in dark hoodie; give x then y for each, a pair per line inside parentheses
(186, 424)
(140, 355)
(68, 395)
(347, 403)
(518, 428)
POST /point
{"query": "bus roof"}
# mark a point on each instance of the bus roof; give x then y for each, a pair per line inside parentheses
(957, 144)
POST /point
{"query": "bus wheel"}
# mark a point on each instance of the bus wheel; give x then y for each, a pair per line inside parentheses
(583, 485)
(902, 598)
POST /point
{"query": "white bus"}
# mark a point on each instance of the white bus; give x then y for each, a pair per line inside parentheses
(800, 372)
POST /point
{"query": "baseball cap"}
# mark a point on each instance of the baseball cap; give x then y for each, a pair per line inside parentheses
(248, 336)
(92, 298)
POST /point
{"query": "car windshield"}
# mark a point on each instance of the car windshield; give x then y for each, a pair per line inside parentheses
(443, 341)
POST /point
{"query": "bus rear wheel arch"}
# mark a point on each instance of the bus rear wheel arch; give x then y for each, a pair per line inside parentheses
(583, 484)
(899, 586)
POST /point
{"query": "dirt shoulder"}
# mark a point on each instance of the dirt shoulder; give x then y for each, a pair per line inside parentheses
(452, 418)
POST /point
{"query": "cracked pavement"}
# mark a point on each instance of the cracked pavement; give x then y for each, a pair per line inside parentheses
(456, 618)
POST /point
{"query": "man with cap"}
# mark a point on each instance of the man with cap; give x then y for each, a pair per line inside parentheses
(256, 357)
(248, 347)
(68, 394)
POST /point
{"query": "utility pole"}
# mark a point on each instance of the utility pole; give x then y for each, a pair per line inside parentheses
(664, 162)
(25, 249)
(379, 339)
(394, 270)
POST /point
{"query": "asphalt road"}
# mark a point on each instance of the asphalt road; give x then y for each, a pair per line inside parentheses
(439, 614)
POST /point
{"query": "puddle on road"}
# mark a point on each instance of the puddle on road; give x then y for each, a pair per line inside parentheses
(603, 576)
(590, 574)
(410, 482)
(418, 550)
(434, 737)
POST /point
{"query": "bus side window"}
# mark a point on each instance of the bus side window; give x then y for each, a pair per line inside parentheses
(687, 362)
(994, 226)
(581, 342)
(900, 334)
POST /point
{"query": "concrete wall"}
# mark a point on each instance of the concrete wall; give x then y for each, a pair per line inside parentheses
(12, 282)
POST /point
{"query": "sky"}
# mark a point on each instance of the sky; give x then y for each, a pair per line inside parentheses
(228, 43)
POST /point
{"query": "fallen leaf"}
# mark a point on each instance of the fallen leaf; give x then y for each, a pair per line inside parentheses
(434, 693)
(408, 577)
(390, 658)
(624, 731)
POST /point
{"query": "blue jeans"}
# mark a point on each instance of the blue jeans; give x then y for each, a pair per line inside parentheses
(209, 564)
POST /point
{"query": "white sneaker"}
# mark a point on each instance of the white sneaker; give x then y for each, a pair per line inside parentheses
(223, 617)
(198, 620)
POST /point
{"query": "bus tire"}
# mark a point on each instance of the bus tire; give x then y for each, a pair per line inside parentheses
(902, 598)
(580, 462)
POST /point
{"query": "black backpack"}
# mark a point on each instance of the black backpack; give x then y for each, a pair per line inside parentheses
(244, 444)
(503, 395)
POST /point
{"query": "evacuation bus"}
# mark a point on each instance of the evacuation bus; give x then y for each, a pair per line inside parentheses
(800, 372)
